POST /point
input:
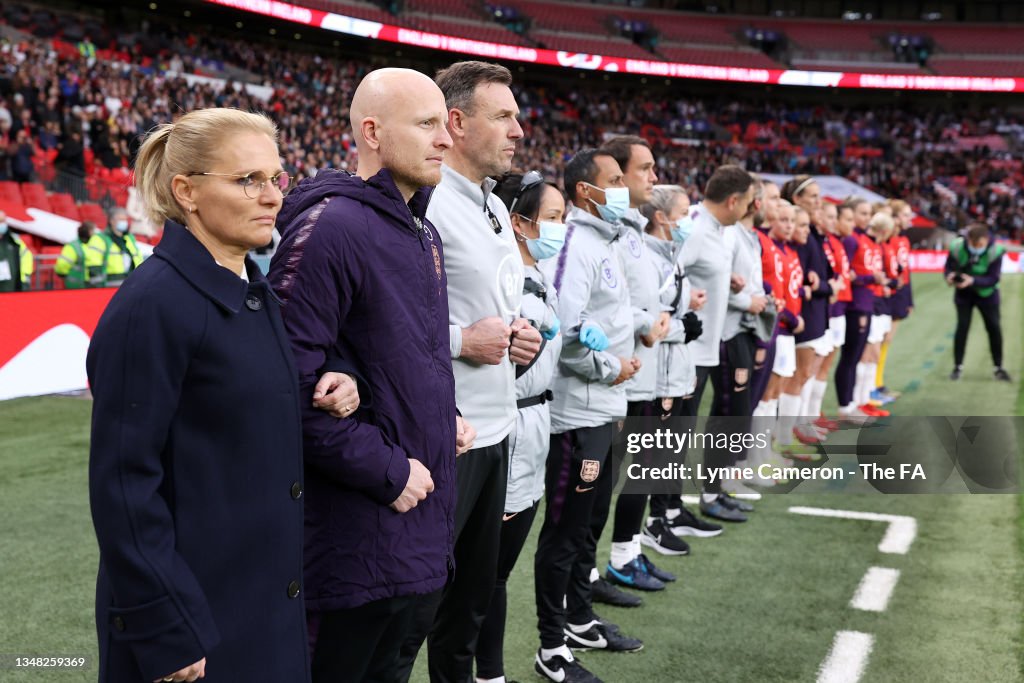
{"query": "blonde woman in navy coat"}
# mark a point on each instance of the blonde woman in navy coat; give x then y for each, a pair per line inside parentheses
(195, 468)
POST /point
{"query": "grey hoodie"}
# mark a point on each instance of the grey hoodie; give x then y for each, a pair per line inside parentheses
(708, 264)
(745, 247)
(677, 375)
(645, 280)
(530, 440)
(591, 288)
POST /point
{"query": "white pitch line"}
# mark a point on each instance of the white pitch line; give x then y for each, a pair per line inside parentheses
(847, 659)
(875, 589)
(898, 537)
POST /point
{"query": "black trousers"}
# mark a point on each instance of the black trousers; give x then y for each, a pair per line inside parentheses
(858, 324)
(732, 379)
(577, 487)
(514, 530)
(630, 507)
(361, 643)
(990, 315)
(731, 409)
(764, 361)
(703, 372)
(663, 502)
(450, 619)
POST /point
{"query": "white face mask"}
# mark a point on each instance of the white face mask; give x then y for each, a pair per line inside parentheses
(682, 229)
(549, 242)
(616, 203)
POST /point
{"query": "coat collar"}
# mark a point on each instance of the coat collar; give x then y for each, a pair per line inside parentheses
(394, 203)
(635, 220)
(464, 186)
(189, 257)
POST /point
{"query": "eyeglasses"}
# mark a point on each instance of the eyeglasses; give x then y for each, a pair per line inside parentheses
(529, 180)
(254, 183)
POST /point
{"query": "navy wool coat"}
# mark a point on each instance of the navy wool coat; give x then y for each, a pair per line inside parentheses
(195, 475)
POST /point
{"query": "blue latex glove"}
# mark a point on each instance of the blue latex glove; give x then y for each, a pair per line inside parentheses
(593, 337)
(552, 331)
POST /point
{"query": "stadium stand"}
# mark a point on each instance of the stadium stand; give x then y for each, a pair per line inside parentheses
(952, 165)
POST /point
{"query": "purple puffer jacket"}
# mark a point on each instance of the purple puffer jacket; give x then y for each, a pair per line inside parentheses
(361, 276)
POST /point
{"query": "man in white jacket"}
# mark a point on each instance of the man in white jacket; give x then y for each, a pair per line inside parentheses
(707, 259)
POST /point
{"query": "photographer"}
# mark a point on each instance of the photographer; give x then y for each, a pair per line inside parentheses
(974, 266)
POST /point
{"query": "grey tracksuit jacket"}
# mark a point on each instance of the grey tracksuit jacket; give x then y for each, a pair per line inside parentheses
(531, 438)
(644, 280)
(591, 287)
(677, 375)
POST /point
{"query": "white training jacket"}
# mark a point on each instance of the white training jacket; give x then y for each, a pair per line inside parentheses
(531, 439)
(677, 375)
(644, 280)
(708, 264)
(591, 288)
(485, 278)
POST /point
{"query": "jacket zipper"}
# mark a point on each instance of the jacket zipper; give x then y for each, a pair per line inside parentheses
(421, 231)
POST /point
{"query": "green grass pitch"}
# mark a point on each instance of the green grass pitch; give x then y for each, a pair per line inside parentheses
(760, 603)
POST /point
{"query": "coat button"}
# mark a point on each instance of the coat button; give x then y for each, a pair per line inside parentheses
(293, 589)
(296, 491)
(118, 624)
(253, 303)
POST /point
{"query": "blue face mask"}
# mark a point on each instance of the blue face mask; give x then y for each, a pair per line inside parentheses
(121, 226)
(682, 229)
(616, 203)
(976, 251)
(552, 237)
(3, 228)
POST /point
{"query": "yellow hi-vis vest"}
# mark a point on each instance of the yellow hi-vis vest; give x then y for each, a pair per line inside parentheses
(105, 258)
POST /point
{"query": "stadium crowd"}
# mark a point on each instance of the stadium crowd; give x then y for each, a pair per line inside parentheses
(498, 325)
(937, 159)
(498, 331)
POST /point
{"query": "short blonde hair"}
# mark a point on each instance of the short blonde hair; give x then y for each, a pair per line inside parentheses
(186, 146)
(881, 223)
(898, 205)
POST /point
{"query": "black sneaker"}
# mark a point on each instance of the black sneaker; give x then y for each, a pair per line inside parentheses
(1002, 375)
(633, 576)
(688, 524)
(735, 503)
(660, 574)
(603, 592)
(657, 535)
(561, 670)
(718, 510)
(955, 375)
(600, 637)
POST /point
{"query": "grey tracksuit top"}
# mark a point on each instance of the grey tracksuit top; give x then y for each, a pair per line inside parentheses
(644, 280)
(677, 375)
(745, 247)
(708, 264)
(591, 288)
(530, 440)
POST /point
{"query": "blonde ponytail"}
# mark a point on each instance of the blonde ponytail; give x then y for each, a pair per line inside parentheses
(188, 145)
